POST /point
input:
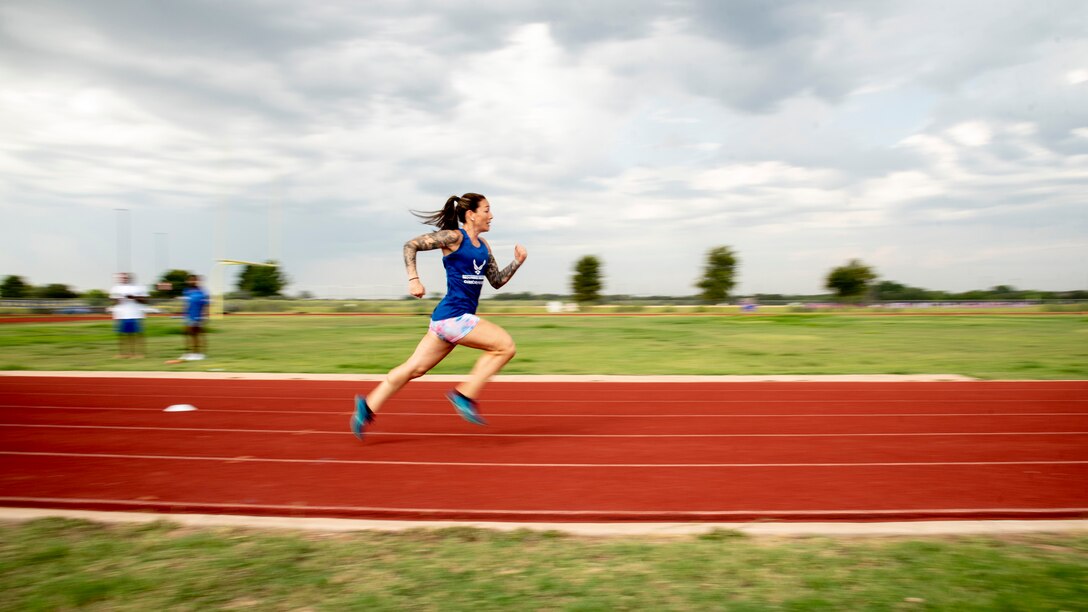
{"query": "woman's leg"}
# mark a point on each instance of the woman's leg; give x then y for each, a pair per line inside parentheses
(430, 350)
(498, 349)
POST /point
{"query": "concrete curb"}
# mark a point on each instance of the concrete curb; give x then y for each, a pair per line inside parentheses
(877, 529)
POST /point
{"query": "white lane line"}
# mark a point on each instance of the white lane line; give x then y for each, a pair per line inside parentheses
(539, 435)
(248, 459)
(479, 511)
(549, 415)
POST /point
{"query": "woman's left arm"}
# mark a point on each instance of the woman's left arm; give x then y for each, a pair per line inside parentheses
(497, 277)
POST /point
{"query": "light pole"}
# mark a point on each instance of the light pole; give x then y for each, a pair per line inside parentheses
(124, 229)
(163, 250)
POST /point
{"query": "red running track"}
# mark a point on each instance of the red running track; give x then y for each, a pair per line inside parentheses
(553, 451)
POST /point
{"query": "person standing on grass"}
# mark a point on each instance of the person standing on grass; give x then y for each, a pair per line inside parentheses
(128, 312)
(196, 317)
(468, 261)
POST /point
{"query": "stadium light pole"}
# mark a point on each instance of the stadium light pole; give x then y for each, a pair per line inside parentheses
(163, 250)
(124, 228)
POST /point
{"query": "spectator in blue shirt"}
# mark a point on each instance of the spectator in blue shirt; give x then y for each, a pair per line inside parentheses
(196, 317)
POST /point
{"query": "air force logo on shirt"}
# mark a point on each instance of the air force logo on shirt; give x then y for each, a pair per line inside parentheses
(477, 278)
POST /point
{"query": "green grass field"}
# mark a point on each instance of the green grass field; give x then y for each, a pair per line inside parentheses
(54, 564)
(985, 346)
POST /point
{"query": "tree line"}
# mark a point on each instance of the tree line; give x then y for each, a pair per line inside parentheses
(853, 282)
(718, 280)
(254, 281)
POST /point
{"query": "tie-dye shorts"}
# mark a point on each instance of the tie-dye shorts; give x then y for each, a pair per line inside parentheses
(452, 330)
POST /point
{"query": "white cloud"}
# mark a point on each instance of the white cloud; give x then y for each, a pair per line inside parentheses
(970, 134)
(1076, 77)
(734, 176)
(897, 187)
(529, 104)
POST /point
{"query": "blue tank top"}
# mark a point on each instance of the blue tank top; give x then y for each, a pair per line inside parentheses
(195, 301)
(465, 269)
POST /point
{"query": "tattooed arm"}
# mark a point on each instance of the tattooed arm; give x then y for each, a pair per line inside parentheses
(442, 239)
(497, 277)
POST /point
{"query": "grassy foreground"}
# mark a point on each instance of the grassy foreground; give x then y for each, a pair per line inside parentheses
(64, 564)
(985, 346)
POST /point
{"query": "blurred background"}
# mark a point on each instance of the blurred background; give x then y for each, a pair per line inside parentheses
(944, 146)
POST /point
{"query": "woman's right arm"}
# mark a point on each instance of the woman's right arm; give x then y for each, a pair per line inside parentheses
(441, 239)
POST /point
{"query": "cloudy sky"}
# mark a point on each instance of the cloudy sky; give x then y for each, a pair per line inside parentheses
(944, 143)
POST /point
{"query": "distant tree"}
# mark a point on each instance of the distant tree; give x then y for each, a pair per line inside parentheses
(851, 281)
(1006, 292)
(96, 297)
(974, 294)
(55, 291)
(891, 291)
(586, 284)
(171, 284)
(14, 287)
(719, 276)
(262, 281)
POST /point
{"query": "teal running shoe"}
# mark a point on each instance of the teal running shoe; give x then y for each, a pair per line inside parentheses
(363, 416)
(465, 407)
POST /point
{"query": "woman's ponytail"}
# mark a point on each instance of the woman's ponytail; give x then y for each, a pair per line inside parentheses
(449, 213)
(452, 212)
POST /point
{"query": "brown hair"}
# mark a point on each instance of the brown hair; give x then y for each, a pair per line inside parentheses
(452, 212)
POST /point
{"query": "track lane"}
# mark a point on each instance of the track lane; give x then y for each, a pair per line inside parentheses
(317, 446)
(447, 422)
(660, 494)
(754, 392)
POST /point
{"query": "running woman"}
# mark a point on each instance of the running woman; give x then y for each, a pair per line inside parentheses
(468, 261)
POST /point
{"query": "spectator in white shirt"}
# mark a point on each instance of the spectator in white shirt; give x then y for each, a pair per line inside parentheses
(128, 313)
